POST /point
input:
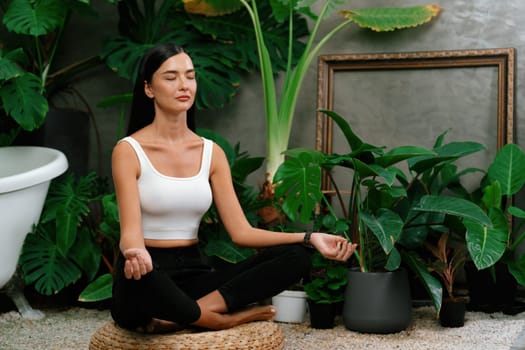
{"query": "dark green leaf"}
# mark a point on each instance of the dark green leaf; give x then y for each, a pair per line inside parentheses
(99, 289)
(35, 17)
(23, 101)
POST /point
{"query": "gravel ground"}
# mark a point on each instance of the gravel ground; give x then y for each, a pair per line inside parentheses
(71, 328)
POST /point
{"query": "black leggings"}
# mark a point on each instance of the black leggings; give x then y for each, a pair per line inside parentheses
(180, 277)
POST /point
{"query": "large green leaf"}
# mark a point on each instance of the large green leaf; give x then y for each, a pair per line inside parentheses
(431, 284)
(99, 289)
(8, 69)
(67, 204)
(299, 184)
(444, 154)
(453, 206)
(517, 269)
(86, 252)
(388, 19)
(402, 153)
(22, 100)
(35, 17)
(351, 138)
(486, 244)
(227, 251)
(386, 226)
(43, 264)
(508, 168)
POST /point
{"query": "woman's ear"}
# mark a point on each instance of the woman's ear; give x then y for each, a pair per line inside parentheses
(147, 90)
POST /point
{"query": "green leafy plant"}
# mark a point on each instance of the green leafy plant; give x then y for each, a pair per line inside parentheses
(499, 240)
(30, 34)
(389, 212)
(327, 280)
(280, 108)
(213, 236)
(221, 48)
(101, 287)
(66, 244)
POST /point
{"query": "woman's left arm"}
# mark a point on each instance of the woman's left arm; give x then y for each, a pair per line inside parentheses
(241, 231)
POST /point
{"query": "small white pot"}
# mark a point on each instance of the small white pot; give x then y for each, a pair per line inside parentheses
(291, 306)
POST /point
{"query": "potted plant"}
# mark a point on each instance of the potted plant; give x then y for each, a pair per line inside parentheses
(389, 213)
(325, 291)
(496, 270)
(446, 263)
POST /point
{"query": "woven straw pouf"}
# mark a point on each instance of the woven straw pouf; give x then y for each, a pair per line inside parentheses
(262, 335)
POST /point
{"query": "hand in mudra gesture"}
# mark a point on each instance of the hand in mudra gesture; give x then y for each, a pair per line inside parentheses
(138, 263)
(332, 247)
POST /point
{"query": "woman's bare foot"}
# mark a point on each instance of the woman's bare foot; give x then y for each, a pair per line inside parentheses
(256, 313)
(157, 326)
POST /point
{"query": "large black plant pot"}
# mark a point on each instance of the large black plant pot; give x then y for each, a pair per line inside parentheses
(377, 302)
(322, 315)
(487, 294)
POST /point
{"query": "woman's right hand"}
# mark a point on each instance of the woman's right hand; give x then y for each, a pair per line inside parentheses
(138, 263)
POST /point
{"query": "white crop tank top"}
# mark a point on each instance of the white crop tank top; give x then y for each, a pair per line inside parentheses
(172, 207)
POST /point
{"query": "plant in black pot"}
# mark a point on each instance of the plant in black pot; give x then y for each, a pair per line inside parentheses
(389, 213)
(448, 260)
(497, 266)
(325, 291)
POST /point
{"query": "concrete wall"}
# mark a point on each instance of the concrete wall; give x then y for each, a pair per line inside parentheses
(463, 24)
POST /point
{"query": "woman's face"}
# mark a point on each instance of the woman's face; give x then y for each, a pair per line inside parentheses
(173, 85)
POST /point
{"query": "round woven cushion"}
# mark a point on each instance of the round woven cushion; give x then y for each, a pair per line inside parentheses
(263, 335)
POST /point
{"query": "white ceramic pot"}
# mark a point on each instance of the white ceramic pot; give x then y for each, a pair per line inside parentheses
(290, 306)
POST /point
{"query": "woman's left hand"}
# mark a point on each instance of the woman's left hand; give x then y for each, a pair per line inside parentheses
(332, 247)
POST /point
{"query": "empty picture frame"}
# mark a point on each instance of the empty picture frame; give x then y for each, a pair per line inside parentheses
(410, 98)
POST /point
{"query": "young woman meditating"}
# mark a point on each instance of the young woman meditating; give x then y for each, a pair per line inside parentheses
(166, 178)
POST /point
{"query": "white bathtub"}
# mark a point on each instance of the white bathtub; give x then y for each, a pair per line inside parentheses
(25, 175)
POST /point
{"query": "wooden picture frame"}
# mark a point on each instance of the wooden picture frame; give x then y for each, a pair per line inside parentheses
(498, 65)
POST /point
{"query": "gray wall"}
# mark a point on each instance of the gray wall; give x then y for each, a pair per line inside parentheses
(463, 24)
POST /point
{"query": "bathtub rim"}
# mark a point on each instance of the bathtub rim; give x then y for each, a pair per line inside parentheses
(46, 172)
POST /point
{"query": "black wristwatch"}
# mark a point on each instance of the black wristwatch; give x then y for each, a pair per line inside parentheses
(306, 239)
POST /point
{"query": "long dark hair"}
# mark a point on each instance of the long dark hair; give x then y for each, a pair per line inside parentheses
(142, 108)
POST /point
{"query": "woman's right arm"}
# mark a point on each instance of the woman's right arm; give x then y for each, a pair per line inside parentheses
(125, 171)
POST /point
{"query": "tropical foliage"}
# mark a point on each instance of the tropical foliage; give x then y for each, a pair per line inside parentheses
(67, 244)
(499, 240)
(389, 212)
(30, 34)
(222, 48)
(280, 104)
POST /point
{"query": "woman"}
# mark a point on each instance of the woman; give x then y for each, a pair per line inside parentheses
(165, 179)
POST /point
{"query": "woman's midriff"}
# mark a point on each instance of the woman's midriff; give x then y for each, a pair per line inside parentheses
(170, 243)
